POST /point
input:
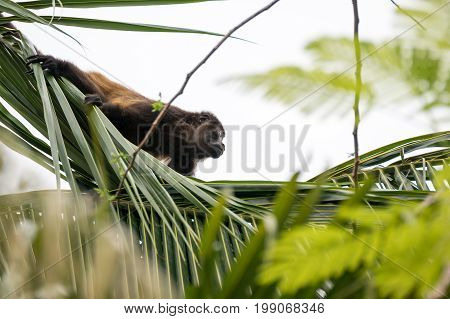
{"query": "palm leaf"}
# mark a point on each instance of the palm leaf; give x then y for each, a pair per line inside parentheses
(17, 10)
(21, 12)
(87, 150)
(42, 4)
(108, 25)
(397, 166)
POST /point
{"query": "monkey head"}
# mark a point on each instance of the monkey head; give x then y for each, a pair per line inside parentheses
(209, 136)
(202, 134)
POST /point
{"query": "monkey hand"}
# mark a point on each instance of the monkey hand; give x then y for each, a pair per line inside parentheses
(93, 99)
(48, 63)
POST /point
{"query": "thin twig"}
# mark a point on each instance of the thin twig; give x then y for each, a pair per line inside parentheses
(407, 14)
(183, 87)
(358, 88)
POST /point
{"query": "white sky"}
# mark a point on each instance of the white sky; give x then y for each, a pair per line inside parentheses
(153, 63)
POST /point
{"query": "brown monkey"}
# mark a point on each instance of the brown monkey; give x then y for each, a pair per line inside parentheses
(184, 137)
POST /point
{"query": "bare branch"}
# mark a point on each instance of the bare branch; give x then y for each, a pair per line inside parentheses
(358, 88)
(183, 87)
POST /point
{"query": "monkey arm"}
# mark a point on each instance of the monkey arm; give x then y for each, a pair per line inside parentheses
(71, 72)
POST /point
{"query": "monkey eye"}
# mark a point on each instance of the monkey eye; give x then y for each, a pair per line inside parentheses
(215, 135)
(203, 118)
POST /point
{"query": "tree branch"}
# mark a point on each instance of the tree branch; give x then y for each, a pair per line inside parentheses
(358, 87)
(183, 87)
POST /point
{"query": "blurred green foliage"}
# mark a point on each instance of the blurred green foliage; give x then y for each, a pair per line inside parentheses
(53, 250)
(413, 67)
(397, 251)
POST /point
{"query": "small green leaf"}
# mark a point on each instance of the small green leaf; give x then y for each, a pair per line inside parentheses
(157, 106)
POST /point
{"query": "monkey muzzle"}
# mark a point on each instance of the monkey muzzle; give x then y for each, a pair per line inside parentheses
(217, 150)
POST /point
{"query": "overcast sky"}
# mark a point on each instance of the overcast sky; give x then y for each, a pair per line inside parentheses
(152, 63)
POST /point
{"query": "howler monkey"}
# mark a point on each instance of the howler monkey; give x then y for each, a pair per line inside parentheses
(185, 138)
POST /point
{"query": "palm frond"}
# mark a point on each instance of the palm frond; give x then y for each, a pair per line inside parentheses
(107, 25)
(22, 12)
(405, 165)
(42, 4)
(84, 148)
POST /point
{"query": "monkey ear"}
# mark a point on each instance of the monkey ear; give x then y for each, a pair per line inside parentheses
(204, 116)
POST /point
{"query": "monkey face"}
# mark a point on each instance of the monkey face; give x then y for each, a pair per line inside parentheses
(209, 135)
(196, 136)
